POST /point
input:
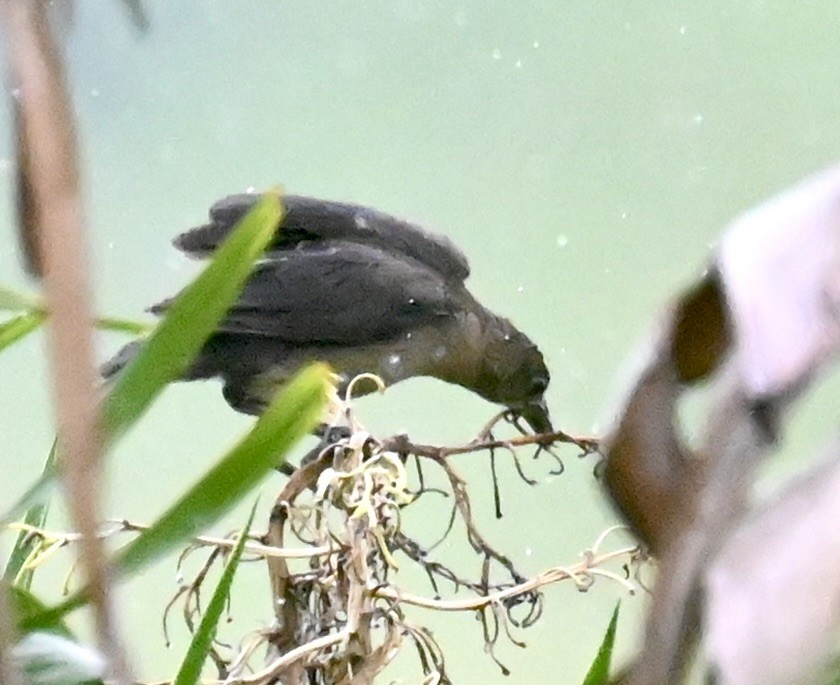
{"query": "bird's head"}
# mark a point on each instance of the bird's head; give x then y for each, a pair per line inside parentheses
(514, 374)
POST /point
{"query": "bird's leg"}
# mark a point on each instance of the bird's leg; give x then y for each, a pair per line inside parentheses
(328, 436)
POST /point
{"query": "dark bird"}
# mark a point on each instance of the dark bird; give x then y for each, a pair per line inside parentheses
(365, 292)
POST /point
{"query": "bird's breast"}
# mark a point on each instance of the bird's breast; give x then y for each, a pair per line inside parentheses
(426, 351)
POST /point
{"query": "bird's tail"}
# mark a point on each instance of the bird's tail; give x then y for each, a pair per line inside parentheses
(120, 360)
(204, 366)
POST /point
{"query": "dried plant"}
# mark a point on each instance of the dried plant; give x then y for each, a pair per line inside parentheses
(334, 542)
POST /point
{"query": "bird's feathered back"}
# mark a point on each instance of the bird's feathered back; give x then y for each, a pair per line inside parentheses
(335, 274)
(309, 219)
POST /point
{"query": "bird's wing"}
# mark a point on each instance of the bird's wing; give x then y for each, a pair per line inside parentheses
(336, 293)
(311, 219)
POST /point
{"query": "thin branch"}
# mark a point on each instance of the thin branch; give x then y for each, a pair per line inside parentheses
(276, 667)
(400, 444)
(549, 577)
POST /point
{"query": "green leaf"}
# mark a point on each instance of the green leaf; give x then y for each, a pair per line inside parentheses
(28, 606)
(179, 337)
(20, 326)
(192, 317)
(110, 323)
(38, 493)
(293, 413)
(201, 642)
(35, 516)
(11, 301)
(599, 671)
(15, 302)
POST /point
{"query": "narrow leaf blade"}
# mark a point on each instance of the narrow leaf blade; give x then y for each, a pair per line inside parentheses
(191, 319)
(599, 671)
(26, 605)
(117, 325)
(291, 415)
(16, 302)
(190, 670)
(35, 516)
(19, 327)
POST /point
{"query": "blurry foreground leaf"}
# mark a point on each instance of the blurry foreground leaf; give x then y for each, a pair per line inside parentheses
(28, 605)
(191, 318)
(193, 662)
(35, 495)
(773, 592)
(116, 325)
(599, 671)
(757, 329)
(11, 301)
(16, 302)
(293, 413)
(50, 659)
(35, 516)
(19, 327)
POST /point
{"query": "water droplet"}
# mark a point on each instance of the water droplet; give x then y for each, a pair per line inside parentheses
(250, 190)
(408, 336)
(624, 215)
(520, 289)
(411, 300)
(15, 93)
(562, 240)
(507, 336)
(519, 64)
(394, 360)
(698, 118)
(528, 551)
(682, 30)
(110, 246)
(535, 44)
(497, 54)
(361, 222)
(439, 353)
(94, 92)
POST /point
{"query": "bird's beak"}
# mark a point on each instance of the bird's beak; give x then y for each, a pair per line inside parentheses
(536, 415)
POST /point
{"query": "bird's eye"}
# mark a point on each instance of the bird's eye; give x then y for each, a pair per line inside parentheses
(538, 385)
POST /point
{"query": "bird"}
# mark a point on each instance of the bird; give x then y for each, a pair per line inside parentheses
(365, 292)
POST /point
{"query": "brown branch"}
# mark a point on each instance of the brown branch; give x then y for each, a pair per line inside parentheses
(401, 445)
(284, 600)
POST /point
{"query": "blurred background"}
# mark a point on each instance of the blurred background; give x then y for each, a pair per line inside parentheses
(583, 155)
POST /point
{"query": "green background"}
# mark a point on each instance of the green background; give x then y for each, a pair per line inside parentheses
(584, 155)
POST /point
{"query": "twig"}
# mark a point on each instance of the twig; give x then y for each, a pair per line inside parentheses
(280, 664)
(58, 539)
(548, 577)
(401, 445)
